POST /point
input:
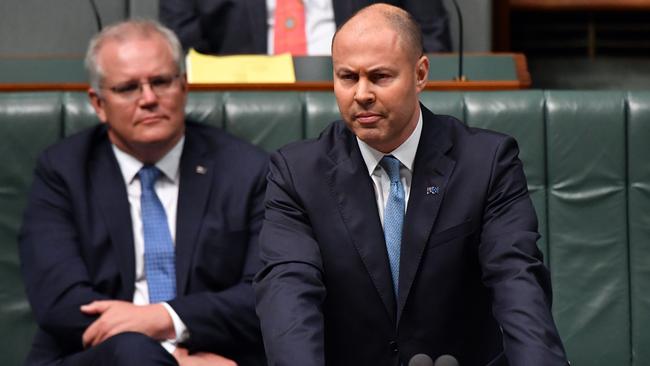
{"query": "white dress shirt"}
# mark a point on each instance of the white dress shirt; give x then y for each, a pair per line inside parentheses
(405, 153)
(319, 26)
(166, 188)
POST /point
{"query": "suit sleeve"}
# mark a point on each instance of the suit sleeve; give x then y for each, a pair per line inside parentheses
(512, 266)
(224, 321)
(289, 289)
(55, 274)
(183, 17)
(217, 26)
(432, 17)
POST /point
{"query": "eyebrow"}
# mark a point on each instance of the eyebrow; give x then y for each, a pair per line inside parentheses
(136, 79)
(384, 69)
(381, 68)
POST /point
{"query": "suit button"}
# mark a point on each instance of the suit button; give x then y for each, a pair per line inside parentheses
(393, 346)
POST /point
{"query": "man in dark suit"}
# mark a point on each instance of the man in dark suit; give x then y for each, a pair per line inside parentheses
(139, 242)
(241, 26)
(399, 232)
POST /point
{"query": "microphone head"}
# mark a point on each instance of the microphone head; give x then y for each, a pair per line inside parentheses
(446, 360)
(420, 360)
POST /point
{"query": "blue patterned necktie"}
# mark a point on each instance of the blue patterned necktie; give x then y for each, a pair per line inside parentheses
(159, 265)
(393, 216)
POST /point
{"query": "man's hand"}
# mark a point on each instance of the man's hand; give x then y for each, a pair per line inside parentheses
(201, 359)
(120, 316)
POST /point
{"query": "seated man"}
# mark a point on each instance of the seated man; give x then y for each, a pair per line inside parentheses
(138, 244)
(399, 232)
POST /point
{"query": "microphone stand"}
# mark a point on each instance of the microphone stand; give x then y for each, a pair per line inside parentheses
(98, 19)
(460, 76)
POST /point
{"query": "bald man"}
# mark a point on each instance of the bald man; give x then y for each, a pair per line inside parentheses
(399, 232)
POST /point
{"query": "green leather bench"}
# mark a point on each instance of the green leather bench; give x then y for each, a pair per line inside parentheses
(586, 155)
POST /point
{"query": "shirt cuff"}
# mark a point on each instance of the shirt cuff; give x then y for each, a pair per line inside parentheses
(182, 334)
(169, 346)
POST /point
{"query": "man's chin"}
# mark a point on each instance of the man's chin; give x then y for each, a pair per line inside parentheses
(372, 139)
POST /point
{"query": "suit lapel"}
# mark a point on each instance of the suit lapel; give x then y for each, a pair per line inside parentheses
(195, 183)
(110, 193)
(349, 181)
(431, 172)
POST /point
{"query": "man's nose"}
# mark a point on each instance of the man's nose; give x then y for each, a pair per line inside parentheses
(364, 93)
(147, 95)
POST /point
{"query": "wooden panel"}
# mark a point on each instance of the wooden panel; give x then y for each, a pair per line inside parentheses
(485, 71)
(566, 5)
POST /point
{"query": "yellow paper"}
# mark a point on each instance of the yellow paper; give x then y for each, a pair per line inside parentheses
(207, 69)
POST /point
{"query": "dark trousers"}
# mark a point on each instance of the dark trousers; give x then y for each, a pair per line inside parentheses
(124, 349)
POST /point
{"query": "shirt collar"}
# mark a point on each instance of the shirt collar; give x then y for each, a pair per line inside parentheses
(405, 153)
(168, 164)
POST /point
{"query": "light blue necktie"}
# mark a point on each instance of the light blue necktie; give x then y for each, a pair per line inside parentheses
(393, 216)
(158, 246)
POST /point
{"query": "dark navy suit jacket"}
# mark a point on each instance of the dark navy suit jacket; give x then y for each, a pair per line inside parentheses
(239, 26)
(472, 283)
(76, 243)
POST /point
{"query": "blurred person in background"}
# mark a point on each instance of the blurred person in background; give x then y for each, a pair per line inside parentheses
(300, 27)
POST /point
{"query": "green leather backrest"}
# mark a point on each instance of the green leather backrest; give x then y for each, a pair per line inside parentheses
(449, 103)
(78, 114)
(587, 219)
(206, 107)
(586, 156)
(28, 123)
(268, 120)
(321, 109)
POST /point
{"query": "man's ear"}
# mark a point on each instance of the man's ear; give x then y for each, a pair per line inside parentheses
(422, 72)
(98, 104)
(184, 83)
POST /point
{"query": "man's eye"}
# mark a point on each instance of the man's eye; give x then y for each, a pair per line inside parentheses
(380, 77)
(126, 88)
(161, 81)
(347, 77)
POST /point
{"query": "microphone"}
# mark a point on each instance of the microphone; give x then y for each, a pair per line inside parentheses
(98, 19)
(446, 360)
(422, 359)
(461, 76)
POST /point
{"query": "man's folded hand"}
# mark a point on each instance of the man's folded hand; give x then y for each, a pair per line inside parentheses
(121, 316)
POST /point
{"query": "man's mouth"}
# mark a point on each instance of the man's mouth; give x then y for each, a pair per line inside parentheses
(367, 117)
(150, 119)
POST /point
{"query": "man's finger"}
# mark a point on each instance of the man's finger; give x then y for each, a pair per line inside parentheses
(94, 332)
(105, 335)
(96, 307)
(89, 335)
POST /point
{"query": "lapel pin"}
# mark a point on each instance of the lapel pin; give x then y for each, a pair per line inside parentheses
(433, 190)
(201, 169)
